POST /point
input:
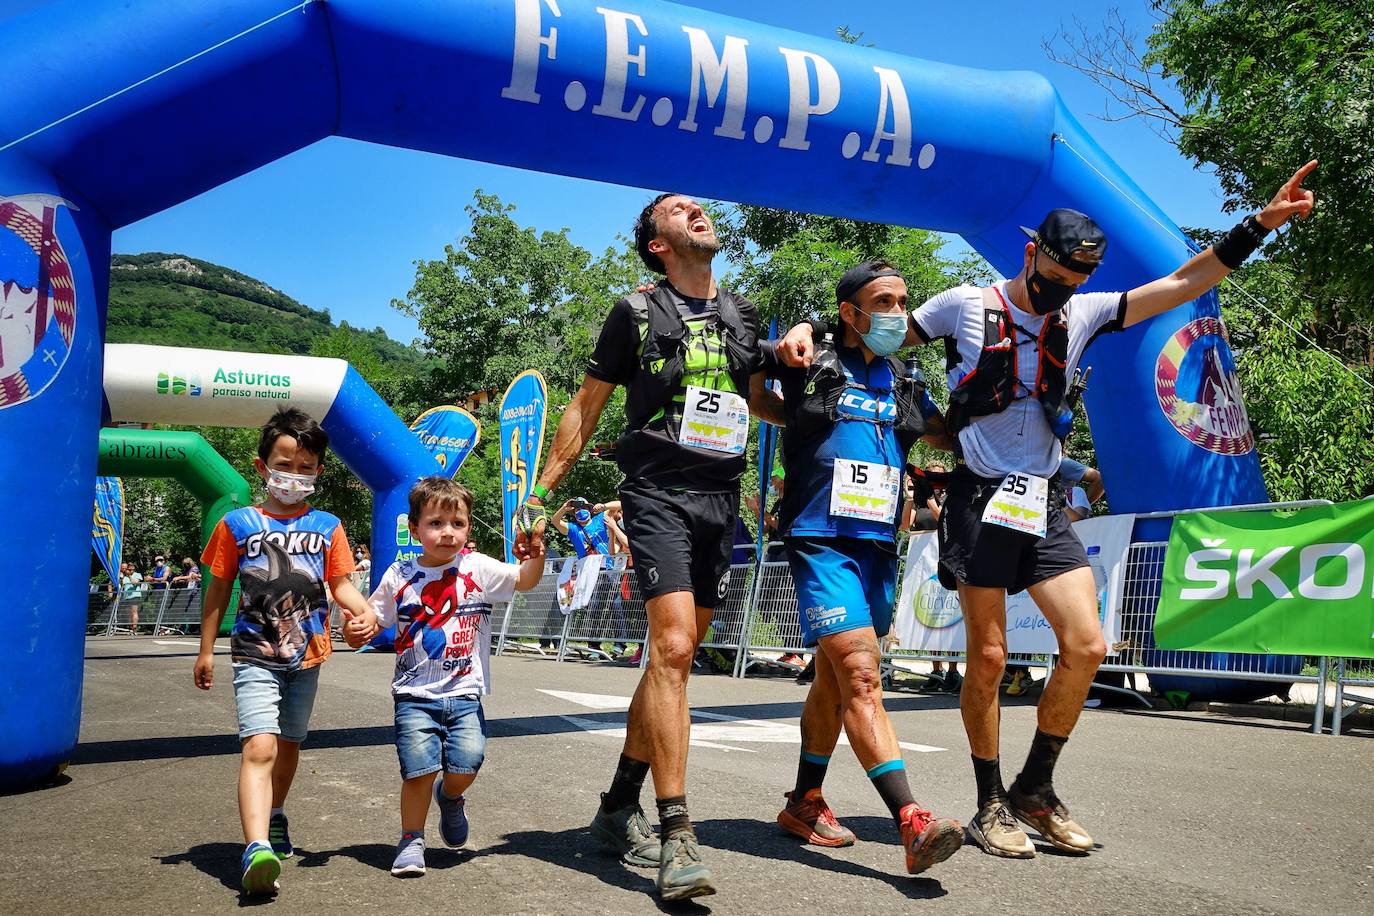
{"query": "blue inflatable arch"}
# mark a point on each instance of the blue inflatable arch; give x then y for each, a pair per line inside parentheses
(119, 111)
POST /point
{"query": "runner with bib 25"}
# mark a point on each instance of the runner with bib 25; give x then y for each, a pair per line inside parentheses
(687, 353)
(1009, 350)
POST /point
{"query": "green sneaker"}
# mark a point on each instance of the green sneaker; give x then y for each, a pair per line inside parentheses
(627, 833)
(681, 873)
(261, 868)
(279, 835)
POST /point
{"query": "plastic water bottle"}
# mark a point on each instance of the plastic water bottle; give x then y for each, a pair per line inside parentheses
(1099, 579)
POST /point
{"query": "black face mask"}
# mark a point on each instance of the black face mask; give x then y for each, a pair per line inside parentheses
(1046, 295)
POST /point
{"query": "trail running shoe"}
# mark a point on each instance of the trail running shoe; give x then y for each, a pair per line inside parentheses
(453, 816)
(279, 836)
(953, 683)
(813, 821)
(261, 868)
(935, 684)
(927, 839)
(1046, 814)
(1020, 683)
(994, 829)
(681, 873)
(627, 833)
(410, 856)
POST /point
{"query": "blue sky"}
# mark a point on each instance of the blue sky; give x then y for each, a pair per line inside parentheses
(321, 254)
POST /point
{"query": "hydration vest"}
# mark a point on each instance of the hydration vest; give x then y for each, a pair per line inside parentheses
(658, 382)
(991, 386)
(818, 411)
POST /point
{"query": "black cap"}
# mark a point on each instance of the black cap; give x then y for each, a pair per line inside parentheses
(856, 278)
(1064, 233)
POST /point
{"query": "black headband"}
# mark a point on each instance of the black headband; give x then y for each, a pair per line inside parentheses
(856, 278)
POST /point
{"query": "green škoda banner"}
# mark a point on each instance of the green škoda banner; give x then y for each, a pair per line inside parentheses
(1291, 583)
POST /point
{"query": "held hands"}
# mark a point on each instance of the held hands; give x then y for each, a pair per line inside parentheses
(204, 674)
(359, 630)
(530, 521)
(797, 349)
(1291, 200)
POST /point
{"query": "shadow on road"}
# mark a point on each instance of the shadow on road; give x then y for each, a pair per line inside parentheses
(761, 838)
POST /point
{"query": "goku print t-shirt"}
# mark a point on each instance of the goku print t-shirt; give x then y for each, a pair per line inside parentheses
(442, 616)
(283, 563)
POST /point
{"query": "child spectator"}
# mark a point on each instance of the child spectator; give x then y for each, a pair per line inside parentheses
(441, 605)
(283, 552)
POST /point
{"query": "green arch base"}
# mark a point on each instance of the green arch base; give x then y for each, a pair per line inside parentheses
(188, 459)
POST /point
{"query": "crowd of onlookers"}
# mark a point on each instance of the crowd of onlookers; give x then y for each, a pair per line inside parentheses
(135, 586)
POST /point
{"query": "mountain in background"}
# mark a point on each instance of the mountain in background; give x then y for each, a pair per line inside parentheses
(175, 301)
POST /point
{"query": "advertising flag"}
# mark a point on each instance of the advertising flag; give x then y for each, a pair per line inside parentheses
(450, 433)
(107, 525)
(522, 414)
(1278, 582)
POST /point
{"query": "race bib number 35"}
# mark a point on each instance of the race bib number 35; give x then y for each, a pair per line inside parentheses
(1021, 503)
(715, 420)
(865, 490)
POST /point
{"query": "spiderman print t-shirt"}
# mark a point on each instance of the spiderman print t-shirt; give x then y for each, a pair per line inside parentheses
(283, 563)
(443, 623)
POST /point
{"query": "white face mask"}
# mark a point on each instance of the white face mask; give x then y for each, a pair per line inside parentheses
(290, 488)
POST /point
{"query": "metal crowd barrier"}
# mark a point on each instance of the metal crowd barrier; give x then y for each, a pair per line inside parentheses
(157, 612)
(1351, 672)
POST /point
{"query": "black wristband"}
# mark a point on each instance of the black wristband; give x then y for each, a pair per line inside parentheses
(819, 327)
(1241, 242)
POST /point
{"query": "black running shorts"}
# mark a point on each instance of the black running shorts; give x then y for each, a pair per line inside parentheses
(680, 540)
(991, 556)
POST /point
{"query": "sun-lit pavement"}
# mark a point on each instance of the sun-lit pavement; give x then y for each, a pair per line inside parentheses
(1193, 814)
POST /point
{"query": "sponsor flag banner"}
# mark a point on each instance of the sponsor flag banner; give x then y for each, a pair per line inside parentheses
(929, 617)
(1292, 583)
(523, 408)
(107, 525)
(450, 433)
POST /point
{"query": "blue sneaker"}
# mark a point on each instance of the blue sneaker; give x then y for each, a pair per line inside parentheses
(410, 856)
(280, 837)
(261, 868)
(453, 816)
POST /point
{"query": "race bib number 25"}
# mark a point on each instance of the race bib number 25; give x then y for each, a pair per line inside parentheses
(715, 420)
(1021, 503)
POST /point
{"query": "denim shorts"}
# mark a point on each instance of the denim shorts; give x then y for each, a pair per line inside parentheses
(274, 702)
(433, 735)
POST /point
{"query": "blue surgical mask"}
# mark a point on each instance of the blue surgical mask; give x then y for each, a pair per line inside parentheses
(582, 516)
(885, 332)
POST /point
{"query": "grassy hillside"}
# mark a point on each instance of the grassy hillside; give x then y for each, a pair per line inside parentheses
(177, 301)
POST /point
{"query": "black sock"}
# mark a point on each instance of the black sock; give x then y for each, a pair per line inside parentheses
(890, 781)
(989, 776)
(1038, 774)
(810, 774)
(625, 786)
(672, 816)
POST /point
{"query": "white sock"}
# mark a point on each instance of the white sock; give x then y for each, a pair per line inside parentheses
(261, 842)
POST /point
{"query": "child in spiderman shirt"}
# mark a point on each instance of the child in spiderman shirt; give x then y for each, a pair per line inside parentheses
(441, 605)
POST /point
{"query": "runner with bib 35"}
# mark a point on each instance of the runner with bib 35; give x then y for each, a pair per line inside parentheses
(687, 353)
(1010, 349)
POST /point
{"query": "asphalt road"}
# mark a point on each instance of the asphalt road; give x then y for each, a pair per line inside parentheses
(1193, 814)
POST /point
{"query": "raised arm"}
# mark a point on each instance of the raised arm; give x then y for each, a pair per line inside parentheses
(1204, 271)
(764, 402)
(575, 430)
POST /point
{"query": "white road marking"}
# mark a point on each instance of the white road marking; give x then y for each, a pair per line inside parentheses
(704, 734)
(177, 642)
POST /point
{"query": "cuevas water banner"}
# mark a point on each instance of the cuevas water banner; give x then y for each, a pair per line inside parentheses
(1285, 582)
(450, 433)
(523, 409)
(107, 524)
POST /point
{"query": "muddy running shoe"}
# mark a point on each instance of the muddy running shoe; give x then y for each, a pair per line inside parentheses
(453, 816)
(279, 836)
(927, 839)
(261, 868)
(681, 873)
(994, 829)
(627, 833)
(1046, 814)
(410, 856)
(813, 821)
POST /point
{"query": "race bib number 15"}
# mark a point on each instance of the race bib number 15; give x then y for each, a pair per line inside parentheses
(1021, 503)
(865, 490)
(716, 420)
